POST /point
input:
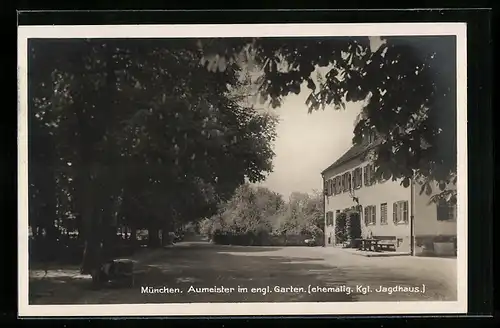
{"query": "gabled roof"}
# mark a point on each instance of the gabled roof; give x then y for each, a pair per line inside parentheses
(356, 150)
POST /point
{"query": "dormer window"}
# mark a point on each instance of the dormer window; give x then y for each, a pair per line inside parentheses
(370, 137)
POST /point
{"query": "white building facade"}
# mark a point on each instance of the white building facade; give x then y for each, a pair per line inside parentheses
(387, 210)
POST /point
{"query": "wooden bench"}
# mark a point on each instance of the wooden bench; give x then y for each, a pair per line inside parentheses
(386, 243)
(118, 270)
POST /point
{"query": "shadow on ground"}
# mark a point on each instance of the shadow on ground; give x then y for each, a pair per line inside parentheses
(232, 248)
(255, 274)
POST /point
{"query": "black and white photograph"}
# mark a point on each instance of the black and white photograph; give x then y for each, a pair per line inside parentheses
(242, 169)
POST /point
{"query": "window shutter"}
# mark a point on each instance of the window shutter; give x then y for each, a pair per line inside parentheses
(405, 213)
(365, 169)
(395, 213)
(374, 214)
(452, 212)
(366, 214)
(372, 174)
(442, 213)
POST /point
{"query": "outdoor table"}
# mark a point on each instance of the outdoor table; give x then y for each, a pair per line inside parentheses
(369, 244)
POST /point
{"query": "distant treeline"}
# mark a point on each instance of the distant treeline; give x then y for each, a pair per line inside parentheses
(257, 216)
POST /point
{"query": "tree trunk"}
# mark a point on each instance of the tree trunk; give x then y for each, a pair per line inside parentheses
(168, 226)
(91, 260)
(79, 228)
(153, 235)
(165, 240)
(92, 252)
(109, 238)
(133, 235)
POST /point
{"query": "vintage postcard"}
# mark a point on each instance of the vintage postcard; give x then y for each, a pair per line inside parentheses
(284, 169)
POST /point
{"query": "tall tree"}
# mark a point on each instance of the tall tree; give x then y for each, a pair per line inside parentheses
(248, 211)
(142, 125)
(302, 214)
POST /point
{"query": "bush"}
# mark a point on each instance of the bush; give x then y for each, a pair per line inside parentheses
(354, 227)
(258, 239)
(341, 228)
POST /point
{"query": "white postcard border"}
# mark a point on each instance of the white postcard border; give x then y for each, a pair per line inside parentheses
(243, 30)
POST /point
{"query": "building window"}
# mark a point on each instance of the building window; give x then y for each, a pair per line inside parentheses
(329, 218)
(383, 213)
(446, 211)
(346, 182)
(371, 137)
(333, 186)
(370, 215)
(400, 214)
(325, 188)
(369, 174)
(338, 184)
(358, 178)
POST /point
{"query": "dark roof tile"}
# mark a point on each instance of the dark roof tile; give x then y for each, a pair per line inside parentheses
(353, 152)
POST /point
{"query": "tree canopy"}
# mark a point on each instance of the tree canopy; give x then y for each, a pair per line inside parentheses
(407, 85)
(137, 129)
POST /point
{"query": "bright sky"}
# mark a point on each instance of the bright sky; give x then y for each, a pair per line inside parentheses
(308, 143)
